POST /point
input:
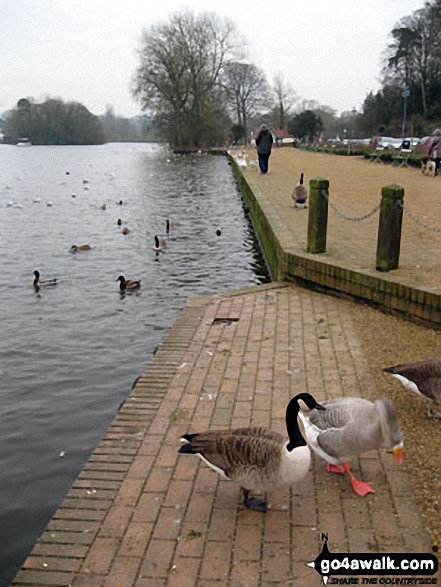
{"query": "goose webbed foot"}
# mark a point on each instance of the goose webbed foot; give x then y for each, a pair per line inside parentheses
(253, 503)
(361, 488)
(335, 468)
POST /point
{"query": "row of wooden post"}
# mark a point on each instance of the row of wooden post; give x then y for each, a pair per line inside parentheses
(389, 228)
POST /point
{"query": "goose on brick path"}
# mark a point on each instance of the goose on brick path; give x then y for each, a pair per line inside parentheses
(258, 459)
(422, 377)
(350, 426)
(299, 193)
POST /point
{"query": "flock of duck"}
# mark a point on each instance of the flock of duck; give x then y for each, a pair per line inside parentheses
(159, 244)
(261, 460)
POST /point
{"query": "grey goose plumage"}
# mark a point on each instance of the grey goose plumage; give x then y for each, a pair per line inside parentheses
(422, 377)
(350, 426)
(258, 459)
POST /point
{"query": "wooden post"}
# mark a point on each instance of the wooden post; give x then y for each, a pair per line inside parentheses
(318, 215)
(389, 228)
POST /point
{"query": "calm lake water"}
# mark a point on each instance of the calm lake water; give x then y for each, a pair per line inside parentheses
(69, 354)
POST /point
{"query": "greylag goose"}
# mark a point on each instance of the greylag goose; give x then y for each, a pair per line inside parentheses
(258, 459)
(128, 283)
(350, 426)
(422, 377)
(48, 281)
(299, 194)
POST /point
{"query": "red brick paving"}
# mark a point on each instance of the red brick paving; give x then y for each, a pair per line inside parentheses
(140, 515)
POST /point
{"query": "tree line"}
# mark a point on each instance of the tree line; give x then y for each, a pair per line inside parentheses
(412, 61)
(193, 75)
(54, 122)
(197, 89)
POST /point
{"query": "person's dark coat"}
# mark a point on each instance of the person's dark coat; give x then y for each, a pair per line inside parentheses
(264, 141)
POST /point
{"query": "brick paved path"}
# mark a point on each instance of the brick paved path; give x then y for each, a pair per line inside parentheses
(140, 515)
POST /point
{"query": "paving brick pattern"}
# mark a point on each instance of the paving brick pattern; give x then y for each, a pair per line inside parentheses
(140, 515)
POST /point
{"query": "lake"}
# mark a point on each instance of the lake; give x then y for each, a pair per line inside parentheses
(70, 353)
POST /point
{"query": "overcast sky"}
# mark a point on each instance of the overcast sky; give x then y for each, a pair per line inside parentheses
(85, 50)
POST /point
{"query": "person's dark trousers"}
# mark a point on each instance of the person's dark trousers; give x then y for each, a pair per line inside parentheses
(263, 163)
(437, 162)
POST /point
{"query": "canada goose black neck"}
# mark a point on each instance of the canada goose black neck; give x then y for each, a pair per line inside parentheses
(37, 277)
(167, 225)
(301, 179)
(156, 242)
(295, 436)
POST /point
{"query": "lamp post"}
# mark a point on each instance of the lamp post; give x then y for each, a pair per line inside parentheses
(405, 93)
(354, 112)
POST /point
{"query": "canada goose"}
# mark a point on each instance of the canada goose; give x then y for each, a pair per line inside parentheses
(258, 459)
(44, 282)
(76, 248)
(299, 193)
(422, 377)
(128, 283)
(103, 206)
(125, 230)
(119, 222)
(160, 244)
(169, 226)
(350, 426)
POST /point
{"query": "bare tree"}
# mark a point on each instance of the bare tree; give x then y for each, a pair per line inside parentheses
(179, 73)
(285, 99)
(247, 91)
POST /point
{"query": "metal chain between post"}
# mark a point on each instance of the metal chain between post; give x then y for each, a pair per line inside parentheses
(351, 218)
(419, 221)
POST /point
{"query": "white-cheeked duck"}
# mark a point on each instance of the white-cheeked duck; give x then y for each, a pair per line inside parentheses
(350, 426)
(422, 377)
(258, 459)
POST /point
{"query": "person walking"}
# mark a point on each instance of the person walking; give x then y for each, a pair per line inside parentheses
(434, 151)
(264, 142)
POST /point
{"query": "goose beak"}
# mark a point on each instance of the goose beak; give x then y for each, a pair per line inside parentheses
(319, 407)
(398, 452)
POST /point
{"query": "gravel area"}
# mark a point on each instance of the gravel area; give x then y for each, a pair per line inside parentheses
(355, 188)
(387, 341)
